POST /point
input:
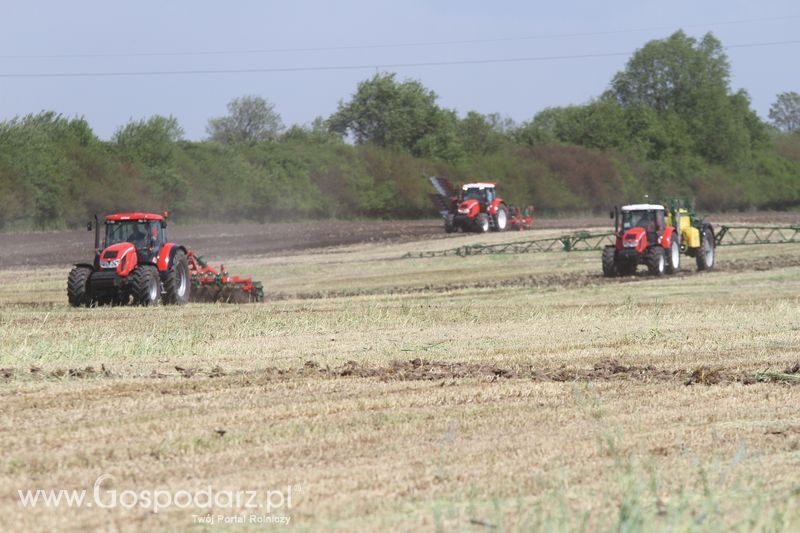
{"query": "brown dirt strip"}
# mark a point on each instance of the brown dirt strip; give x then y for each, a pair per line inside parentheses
(424, 370)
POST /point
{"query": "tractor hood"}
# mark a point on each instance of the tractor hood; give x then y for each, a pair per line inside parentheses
(470, 208)
(634, 238)
(120, 257)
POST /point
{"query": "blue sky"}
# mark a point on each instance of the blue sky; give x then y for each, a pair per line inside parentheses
(109, 36)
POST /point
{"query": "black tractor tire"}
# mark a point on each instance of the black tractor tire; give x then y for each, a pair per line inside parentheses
(610, 262)
(656, 261)
(145, 286)
(673, 257)
(78, 292)
(449, 224)
(500, 219)
(177, 281)
(706, 255)
(482, 223)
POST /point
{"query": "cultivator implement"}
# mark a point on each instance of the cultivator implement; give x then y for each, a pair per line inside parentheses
(211, 285)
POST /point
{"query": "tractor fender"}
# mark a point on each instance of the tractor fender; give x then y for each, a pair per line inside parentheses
(84, 265)
(167, 254)
(666, 238)
(494, 206)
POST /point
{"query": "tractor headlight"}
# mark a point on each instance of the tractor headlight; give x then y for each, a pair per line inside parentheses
(631, 244)
(463, 211)
(109, 264)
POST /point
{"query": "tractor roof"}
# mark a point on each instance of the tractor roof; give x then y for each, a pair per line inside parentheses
(478, 185)
(643, 207)
(117, 217)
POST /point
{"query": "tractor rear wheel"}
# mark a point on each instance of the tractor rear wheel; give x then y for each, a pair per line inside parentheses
(145, 285)
(656, 262)
(609, 262)
(674, 257)
(78, 287)
(707, 251)
(501, 219)
(177, 287)
(482, 223)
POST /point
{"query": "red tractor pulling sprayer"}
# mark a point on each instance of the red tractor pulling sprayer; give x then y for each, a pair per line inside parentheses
(136, 264)
(656, 235)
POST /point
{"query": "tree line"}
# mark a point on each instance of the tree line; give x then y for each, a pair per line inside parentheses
(669, 123)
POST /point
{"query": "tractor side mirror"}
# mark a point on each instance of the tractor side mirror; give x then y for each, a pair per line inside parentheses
(611, 214)
(89, 226)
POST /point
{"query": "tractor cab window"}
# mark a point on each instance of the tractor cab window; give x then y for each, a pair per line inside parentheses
(132, 231)
(639, 219)
(475, 194)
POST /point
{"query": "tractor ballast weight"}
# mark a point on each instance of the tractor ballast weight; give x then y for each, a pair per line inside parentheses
(656, 235)
(476, 207)
(136, 264)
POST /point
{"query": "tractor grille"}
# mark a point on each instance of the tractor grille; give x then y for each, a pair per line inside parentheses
(105, 281)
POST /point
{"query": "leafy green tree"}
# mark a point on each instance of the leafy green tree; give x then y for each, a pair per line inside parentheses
(670, 74)
(393, 114)
(151, 141)
(691, 79)
(483, 134)
(785, 112)
(317, 132)
(250, 120)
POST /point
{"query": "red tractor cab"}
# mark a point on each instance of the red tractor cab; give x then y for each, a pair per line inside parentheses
(133, 263)
(644, 237)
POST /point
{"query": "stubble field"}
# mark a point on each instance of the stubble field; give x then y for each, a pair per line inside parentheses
(517, 392)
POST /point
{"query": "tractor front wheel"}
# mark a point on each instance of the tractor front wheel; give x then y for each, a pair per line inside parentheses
(656, 262)
(176, 281)
(482, 223)
(78, 287)
(145, 288)
(609, 262)
(707, 251)
(501, 219)
(674, 257)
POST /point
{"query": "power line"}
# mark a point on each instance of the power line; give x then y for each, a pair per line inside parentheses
(390, 45)
(324, 68)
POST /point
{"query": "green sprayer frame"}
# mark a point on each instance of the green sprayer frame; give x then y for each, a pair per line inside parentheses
(584, 241)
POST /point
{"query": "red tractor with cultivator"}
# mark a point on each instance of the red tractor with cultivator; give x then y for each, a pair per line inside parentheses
(135, 264)
(476, 207)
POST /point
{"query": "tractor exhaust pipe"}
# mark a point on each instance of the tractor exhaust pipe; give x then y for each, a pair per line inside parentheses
(96, 235)
(615, 216)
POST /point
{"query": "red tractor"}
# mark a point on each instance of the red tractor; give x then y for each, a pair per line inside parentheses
(476, 207)
(135, 264)
(656, 236)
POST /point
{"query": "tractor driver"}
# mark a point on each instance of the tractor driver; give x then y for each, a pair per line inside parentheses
(137, 237)
(646, 222)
